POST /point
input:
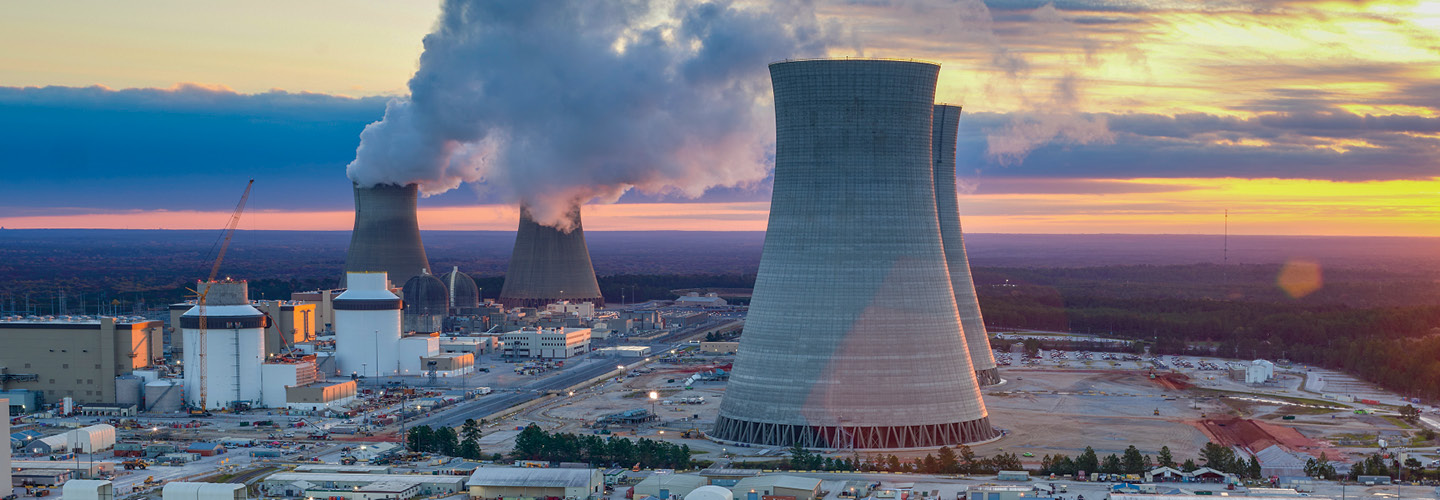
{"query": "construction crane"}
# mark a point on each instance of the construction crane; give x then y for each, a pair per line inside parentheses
(201, 340)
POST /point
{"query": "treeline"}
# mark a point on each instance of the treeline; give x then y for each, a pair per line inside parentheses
(446, 441)
(1214, 456)
(946, 460)
(1395, 347)
(1412, 469)
(535, 443)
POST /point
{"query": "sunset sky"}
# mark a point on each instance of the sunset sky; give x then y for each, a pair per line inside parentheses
(1081, 116)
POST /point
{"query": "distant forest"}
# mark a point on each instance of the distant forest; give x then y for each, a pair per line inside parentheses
(1374, 312)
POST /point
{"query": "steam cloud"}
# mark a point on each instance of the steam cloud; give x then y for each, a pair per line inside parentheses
(555, 102)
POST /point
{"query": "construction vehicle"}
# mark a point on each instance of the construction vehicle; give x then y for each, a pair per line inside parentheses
(692, 433)
(151, 480)
(135, 463)
(1157, 412)
(201, 338)
(347, 460)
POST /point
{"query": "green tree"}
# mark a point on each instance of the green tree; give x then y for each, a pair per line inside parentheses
(470, 430)
(1132, 462)
(947, 461)
(1088, 461)
(1111, 465)
(446, 442)
(1253, 471)
(1007, 461)
(418, 438)
(1189, 465)
(1221, 458)
(470, 449)
(799, 457)
(1409, 413)
(1415, 467)
(530, 443)
(1165, 458)
(967, 459)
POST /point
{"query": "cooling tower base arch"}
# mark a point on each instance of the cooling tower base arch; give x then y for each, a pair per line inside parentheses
(988, 377)
(854, 437)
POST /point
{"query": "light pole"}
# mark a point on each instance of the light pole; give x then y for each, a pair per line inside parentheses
(654, 396)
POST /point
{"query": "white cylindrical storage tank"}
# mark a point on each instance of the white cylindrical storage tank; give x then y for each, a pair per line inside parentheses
(367, 327)
(88, 489)
(163, 396)
(127, 390)
(412, 349)
(234, 347)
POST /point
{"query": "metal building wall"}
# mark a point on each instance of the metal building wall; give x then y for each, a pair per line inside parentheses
(549, 265)
(853, 339)
(387, 234)
(945, 126)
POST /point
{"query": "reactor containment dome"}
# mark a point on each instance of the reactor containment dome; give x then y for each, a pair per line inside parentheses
(853, 339)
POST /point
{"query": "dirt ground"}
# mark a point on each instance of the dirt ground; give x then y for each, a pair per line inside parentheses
(1044, 410)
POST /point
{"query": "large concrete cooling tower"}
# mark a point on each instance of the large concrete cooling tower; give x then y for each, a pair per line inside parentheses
(946, 122)
(549, 265)
(387, 235)
(853, 339)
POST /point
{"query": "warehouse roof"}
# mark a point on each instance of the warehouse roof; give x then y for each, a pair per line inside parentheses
(350, 477)
(531, 477)
(777, 481)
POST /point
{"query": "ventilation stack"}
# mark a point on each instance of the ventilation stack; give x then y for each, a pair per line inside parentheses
(234, 347)
(549, 265)
(853, 340)
(946, 124)
(367, 327)
(386, 237)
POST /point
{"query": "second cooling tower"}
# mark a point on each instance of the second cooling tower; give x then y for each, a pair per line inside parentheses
(549, 265)
(853, 339)
(386, 237)
(945, 126)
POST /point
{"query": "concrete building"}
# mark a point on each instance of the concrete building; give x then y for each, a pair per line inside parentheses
(234, 347)
(203, 491)
(524, 482)
(1259, 371)
(668, 486)
(565, 307)
(367, 327)
(413, 349)
(279, 374)
(477, 345)
(623, 351)
(291, 323)
(944, 127)
(997, 492)
(320, 395)
(853, 337)
(78, 357)
(549, 265)
(324, 313)
(88, 489)
(719, 347)
(386, 237)
(551, 343)
(450, 364)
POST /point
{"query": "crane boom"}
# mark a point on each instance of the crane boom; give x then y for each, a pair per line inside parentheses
(201, 343)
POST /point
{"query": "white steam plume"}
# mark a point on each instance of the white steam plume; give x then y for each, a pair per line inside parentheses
(557, 101)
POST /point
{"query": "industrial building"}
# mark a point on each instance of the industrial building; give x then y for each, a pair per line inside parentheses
(944, 126)
(853, 335)
(234, 347)
(525, 482)
(694, 299)
(88, 489)
(550, 343)
(325, 485)
(450, 364)
(292, 322)
(320, 395)
(203, 491)
(322, 300)
(75, 356)
(549, 265)
(1259, 372)
(719, 347)
(667, 485)
(780, 485)
(367, 326)
(386, 237)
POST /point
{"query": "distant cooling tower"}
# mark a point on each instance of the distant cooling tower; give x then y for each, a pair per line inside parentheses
(946, 122)
(853, 339)
(549, 265)
(387, 235)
